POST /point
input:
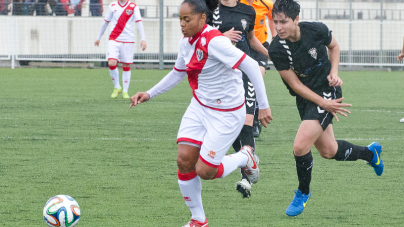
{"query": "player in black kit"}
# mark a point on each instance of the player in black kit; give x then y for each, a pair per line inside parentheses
(236, 21)
(299, 53)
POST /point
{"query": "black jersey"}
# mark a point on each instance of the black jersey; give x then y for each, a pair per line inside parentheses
(308, 57)
(240, 17)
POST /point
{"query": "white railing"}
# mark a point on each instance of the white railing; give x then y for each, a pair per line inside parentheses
(28, 38)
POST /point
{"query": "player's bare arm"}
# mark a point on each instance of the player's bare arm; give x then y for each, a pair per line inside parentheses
(256, 44)
(334, 54)
(97, 43)
(233, 35)
(140, 97)
(271, 27)
(332, 106)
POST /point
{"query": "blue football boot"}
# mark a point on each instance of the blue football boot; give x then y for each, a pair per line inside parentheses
(376, 162)
(298, 203)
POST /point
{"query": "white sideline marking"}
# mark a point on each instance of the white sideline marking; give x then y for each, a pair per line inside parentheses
(82, 138)
(154, 139)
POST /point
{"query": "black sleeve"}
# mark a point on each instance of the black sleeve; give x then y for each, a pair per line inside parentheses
(279, 58)
(325, 33)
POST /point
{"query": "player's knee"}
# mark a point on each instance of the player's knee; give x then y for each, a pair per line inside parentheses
(205, 175)
(185, 165)
(112, 63)
(325, 154)
(299, 149)
(205, 172)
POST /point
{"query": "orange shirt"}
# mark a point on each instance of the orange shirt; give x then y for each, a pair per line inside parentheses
(262, 8)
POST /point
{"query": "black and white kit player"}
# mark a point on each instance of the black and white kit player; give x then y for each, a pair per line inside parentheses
(300, 55)
(240, 17)
(308, 58)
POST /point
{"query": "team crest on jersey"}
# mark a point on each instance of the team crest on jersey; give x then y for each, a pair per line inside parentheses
(262, 22)
(129, 11)
(313, 52)
(203, 41)
(199, 54)
(244, 23)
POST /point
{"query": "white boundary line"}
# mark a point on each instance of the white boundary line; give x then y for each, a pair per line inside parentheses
(174, 139)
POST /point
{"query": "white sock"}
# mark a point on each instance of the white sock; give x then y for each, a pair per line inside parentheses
(126, 78)
(115, 77)
(191, 191)
(232, 162)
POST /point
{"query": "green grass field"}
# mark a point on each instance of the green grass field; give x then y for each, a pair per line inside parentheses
(60, 133)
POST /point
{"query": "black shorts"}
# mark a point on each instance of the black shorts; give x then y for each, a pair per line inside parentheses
(250, 97)
(260, 58)
(310, 111)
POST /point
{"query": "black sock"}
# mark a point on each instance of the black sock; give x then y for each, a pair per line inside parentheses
(304, 165)
(237, 144)
(246, 137)
(349, 152)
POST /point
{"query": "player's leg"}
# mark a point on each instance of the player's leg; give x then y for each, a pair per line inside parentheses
(126, 74)
(189, 139)
(127, 52)
(189, 182)
(206, 128)
(246, 137)
(307, 134)
(113, 58)
(341, 150)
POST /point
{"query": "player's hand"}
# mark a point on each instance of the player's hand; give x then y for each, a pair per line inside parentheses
(334, 80)
(400, 56)
(265, 117)
(234, 36)
(336, 107)
(97, 43)
(140, 97)
(143, 45)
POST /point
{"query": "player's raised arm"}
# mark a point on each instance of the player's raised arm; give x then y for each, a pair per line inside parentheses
(168, 82)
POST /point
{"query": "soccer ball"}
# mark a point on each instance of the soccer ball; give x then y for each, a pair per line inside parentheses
(61, 210)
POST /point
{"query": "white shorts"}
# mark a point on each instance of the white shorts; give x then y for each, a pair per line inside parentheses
(122, 52)
(215, 131)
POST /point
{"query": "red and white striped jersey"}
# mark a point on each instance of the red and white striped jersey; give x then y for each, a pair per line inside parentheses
(122, 18)
(211, 62)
